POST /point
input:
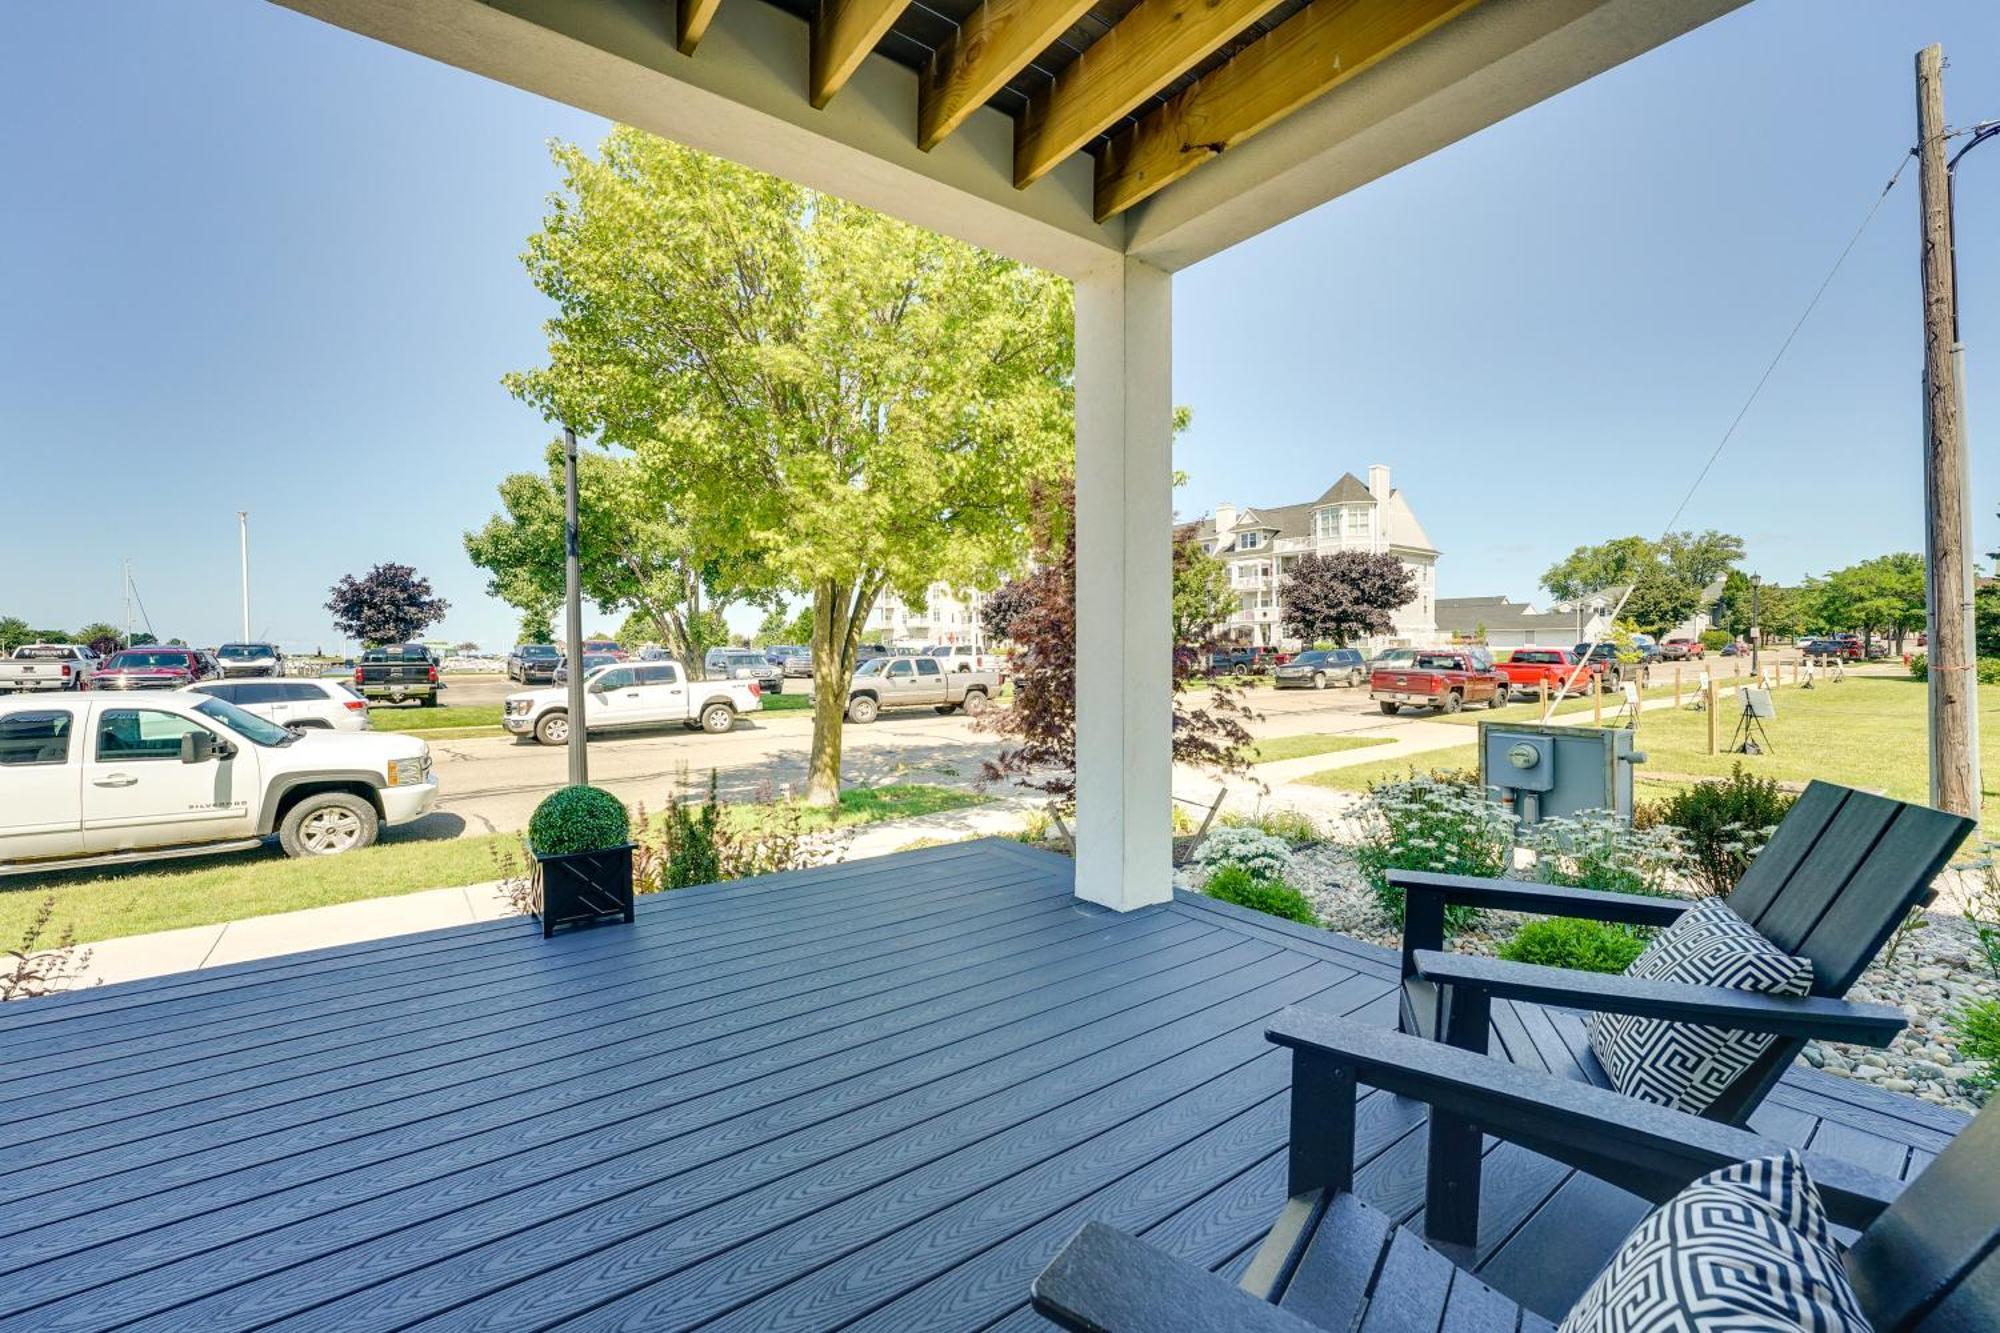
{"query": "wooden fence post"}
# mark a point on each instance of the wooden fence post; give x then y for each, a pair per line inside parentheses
(1677, 689)
(1597, 701)
(1712, 705)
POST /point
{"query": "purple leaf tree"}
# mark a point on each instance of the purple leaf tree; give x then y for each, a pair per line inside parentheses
(1343, 596)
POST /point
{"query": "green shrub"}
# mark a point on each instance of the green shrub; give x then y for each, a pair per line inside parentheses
(1978, 1029)
(1989, 668)
(1295, 827)
(1597, 850)
(1724, 825)
(1586, 946)
(1920, 666)
(578, 819)
(1714, 640)
(1235, 884)
(1442, 822)
(1258, 853)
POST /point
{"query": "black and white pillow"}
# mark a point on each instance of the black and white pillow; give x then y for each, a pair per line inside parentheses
(1742, 1250)
(1685, 1065)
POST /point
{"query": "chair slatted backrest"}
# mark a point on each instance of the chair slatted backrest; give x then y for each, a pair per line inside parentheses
(1841, 873)
(1932, 1260)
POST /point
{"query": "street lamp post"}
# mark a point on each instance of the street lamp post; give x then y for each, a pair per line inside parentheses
(1756, 626)
(243, 550)
(579, 763)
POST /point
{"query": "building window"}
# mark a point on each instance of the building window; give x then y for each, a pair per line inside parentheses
(1354, 521)
(1326, 524)
(1250, 541)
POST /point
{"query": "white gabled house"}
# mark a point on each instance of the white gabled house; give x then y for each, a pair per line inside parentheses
(1259, 544)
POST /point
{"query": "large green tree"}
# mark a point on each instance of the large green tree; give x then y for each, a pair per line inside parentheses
(1700, 558)
(637, 555)
(837, 401)
(1203, 597)
(1591, 569)
(1659, 601)
(1885, 594)
(14, 632)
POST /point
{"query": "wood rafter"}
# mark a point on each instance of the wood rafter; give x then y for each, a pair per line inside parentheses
(843, 33)
(991, 47)
(1151, 46)
(1316, 50)
(691, 21)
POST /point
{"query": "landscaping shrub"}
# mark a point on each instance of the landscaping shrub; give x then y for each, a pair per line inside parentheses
(1586, 946)
(1597, 850)
(36, 968)
(1988, 669)
(1442, 822)
(1245, 847)
(1978, 1029)
(701, 844)
(1714, 640)
(1235, 884)
(578, 819)
(1294, 827)
(1724, 824)
(1920, 666)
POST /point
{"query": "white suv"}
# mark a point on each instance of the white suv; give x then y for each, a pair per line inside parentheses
(303, 705)
(96, 779)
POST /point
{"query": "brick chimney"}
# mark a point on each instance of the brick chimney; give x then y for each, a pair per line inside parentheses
(1378, 482)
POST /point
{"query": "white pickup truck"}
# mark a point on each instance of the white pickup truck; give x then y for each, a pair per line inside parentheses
(34, 667)
(103, 779)
(633, 694)
(918, 682)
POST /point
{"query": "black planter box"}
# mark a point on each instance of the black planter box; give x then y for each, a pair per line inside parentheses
(583, 886)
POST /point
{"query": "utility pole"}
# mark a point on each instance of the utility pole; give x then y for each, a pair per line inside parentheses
(128, 601)
(243, 548)
(579, 764)
(1954, 719)
(1756, 624)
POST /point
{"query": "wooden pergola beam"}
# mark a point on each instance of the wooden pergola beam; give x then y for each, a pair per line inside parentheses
(1316, 50)
(988, 49)
(1150, 47)
(691, 19)
(843, 33)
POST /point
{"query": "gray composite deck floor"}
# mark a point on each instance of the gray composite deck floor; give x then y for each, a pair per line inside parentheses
(877, 1095)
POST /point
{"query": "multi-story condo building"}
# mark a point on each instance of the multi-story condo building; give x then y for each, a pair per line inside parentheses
(1259, 544)
(947, 615)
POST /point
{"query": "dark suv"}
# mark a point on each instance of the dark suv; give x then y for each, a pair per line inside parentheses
(1318, 669)
(534, 663)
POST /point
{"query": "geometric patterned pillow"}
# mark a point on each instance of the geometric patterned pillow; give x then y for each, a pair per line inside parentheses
(1743, 1249)
(1685, 1065)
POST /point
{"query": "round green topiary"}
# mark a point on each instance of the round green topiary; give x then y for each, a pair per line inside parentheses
(578, 819)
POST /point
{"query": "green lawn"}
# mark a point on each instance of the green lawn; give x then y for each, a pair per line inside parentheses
(171, 894)
(1867, 732)
(444, 718)
(1273, 748)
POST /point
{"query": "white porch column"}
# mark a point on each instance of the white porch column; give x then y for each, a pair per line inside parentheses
(1124, 580)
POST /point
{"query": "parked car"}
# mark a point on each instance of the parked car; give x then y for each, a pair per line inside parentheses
(797, 662)
(610, 648)
(633, 694)
(1392, 657)
(1605, 657)
(963, 657)
(1845, 646)
(303, 705)
(1533, 670)
(917, 682)
(1443, 678)
(533, 663)
(1682, 650)
(1268, 659)
(1320, 668)
(776, 653)
(34, 667)
(868, 652)
(591, 661)
(104, 780)
(1226, 661)
(250, 659)
(152, 669)
(743, 664)
(399, 671)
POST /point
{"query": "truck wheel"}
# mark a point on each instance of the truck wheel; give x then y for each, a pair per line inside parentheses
(328, 824)
(862, 709)
(1319, 680)
(1452, 703)
(976, 703)
(430, 701)
(1354, 678)
(1387, 707)
(553, 729)
(1499, 699)
(717, 719)
(945, 710)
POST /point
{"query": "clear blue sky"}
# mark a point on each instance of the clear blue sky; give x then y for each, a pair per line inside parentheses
(256, 263)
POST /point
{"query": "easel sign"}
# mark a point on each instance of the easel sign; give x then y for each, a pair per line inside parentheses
(1751, 736)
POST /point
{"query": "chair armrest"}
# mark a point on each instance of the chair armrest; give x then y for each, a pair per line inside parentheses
(1104, 1281)
(1514, 895)
(1806, 1016)
(1653, 1151)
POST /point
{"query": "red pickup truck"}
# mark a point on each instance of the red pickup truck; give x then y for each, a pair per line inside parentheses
(1443, 678)
(1532, 670)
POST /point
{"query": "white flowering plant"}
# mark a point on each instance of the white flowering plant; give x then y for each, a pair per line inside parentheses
(1597, 850)
(1439, 821)
(1263, 857)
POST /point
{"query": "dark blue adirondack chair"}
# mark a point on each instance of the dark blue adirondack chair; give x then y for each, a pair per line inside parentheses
(1927, 1258)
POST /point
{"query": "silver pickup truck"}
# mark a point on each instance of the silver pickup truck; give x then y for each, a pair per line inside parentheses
(47, 666)
(918, 682)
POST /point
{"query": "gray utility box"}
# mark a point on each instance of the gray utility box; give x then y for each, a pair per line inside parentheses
(1542, 771)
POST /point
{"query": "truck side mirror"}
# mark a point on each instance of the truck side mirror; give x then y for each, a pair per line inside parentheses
(197, 747)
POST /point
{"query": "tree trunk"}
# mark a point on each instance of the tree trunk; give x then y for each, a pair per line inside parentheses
(837, 618)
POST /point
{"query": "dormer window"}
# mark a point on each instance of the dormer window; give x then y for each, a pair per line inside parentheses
(1249, 541)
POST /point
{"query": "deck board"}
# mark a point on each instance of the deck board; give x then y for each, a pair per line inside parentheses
(877, 1096)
